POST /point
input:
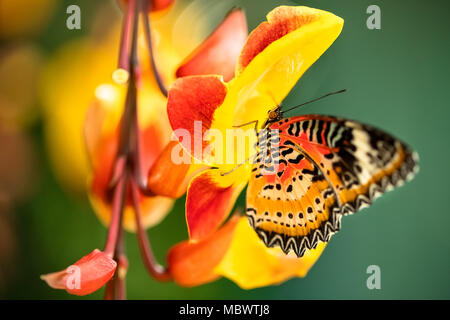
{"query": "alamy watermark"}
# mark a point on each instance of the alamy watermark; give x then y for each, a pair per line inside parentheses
(374, 280)
(73, 21)
(73, 279)
(374, 20)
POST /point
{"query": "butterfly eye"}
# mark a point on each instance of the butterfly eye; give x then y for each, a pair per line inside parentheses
(273, 115)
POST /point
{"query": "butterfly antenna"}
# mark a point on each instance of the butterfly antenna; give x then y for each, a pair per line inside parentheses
(316, 99)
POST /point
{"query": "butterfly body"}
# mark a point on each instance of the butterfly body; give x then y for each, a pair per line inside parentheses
(311, 170)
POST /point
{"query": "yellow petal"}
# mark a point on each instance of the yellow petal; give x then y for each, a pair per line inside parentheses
(269, 76)
(250, 264)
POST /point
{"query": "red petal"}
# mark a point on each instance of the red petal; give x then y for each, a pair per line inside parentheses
(85, 276)
(193, 264)
(219, 52)
(193, 99)
(281, 21)
(208, 204)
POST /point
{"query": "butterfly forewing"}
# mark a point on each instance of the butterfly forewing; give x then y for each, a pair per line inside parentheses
(325, 167)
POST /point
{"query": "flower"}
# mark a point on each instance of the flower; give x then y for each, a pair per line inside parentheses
(17, 21)
(98, 114)
(272, 60)
(102, 127)
(126, 132)
(235, 252)
(154, 127)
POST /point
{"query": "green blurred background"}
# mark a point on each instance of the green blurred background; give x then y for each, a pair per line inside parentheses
(397, 79)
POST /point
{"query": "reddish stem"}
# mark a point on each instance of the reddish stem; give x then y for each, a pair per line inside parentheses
(124, 51)
(116, 215)
(127, 167)
(110, 289)
(115, 288)
(156, 270)
(121, 288)
(122, 267)
(148, 37)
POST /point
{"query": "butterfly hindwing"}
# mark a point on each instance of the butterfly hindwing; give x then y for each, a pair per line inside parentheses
(311, 170)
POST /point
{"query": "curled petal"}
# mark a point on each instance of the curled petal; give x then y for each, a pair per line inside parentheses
(193, 264)
(280, 22)
(275, 56)
(250, 264)
(219, 52)
(85, 276)
(170, 179)
(210, 198)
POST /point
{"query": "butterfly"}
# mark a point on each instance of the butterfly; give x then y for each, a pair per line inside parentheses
(311, 170)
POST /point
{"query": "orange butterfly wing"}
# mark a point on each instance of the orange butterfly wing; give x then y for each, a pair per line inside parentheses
(311, 170)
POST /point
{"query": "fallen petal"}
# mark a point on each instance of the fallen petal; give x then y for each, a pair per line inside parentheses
(85, 276)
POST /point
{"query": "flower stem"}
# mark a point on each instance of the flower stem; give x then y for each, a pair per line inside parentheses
(122, 267)
(156, 270)
(115, 288)
(124, 51)
(127, 176)
(110, 289)
(148, 37)
(116, 215)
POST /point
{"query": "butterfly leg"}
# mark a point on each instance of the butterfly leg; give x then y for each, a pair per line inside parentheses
(232, 170)
(247, 123)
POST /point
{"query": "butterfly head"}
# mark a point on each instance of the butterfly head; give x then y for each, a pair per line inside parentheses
(273, 115)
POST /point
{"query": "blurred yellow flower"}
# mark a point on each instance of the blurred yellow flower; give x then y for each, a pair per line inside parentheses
(21, 62)
(81, 70)
(24, 17)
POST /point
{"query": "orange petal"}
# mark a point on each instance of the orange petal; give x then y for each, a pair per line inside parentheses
(193, 264)
(219, 52)
(168, 179)
(191, 104)
(210, 199)
(85, 276)
(280, 22)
